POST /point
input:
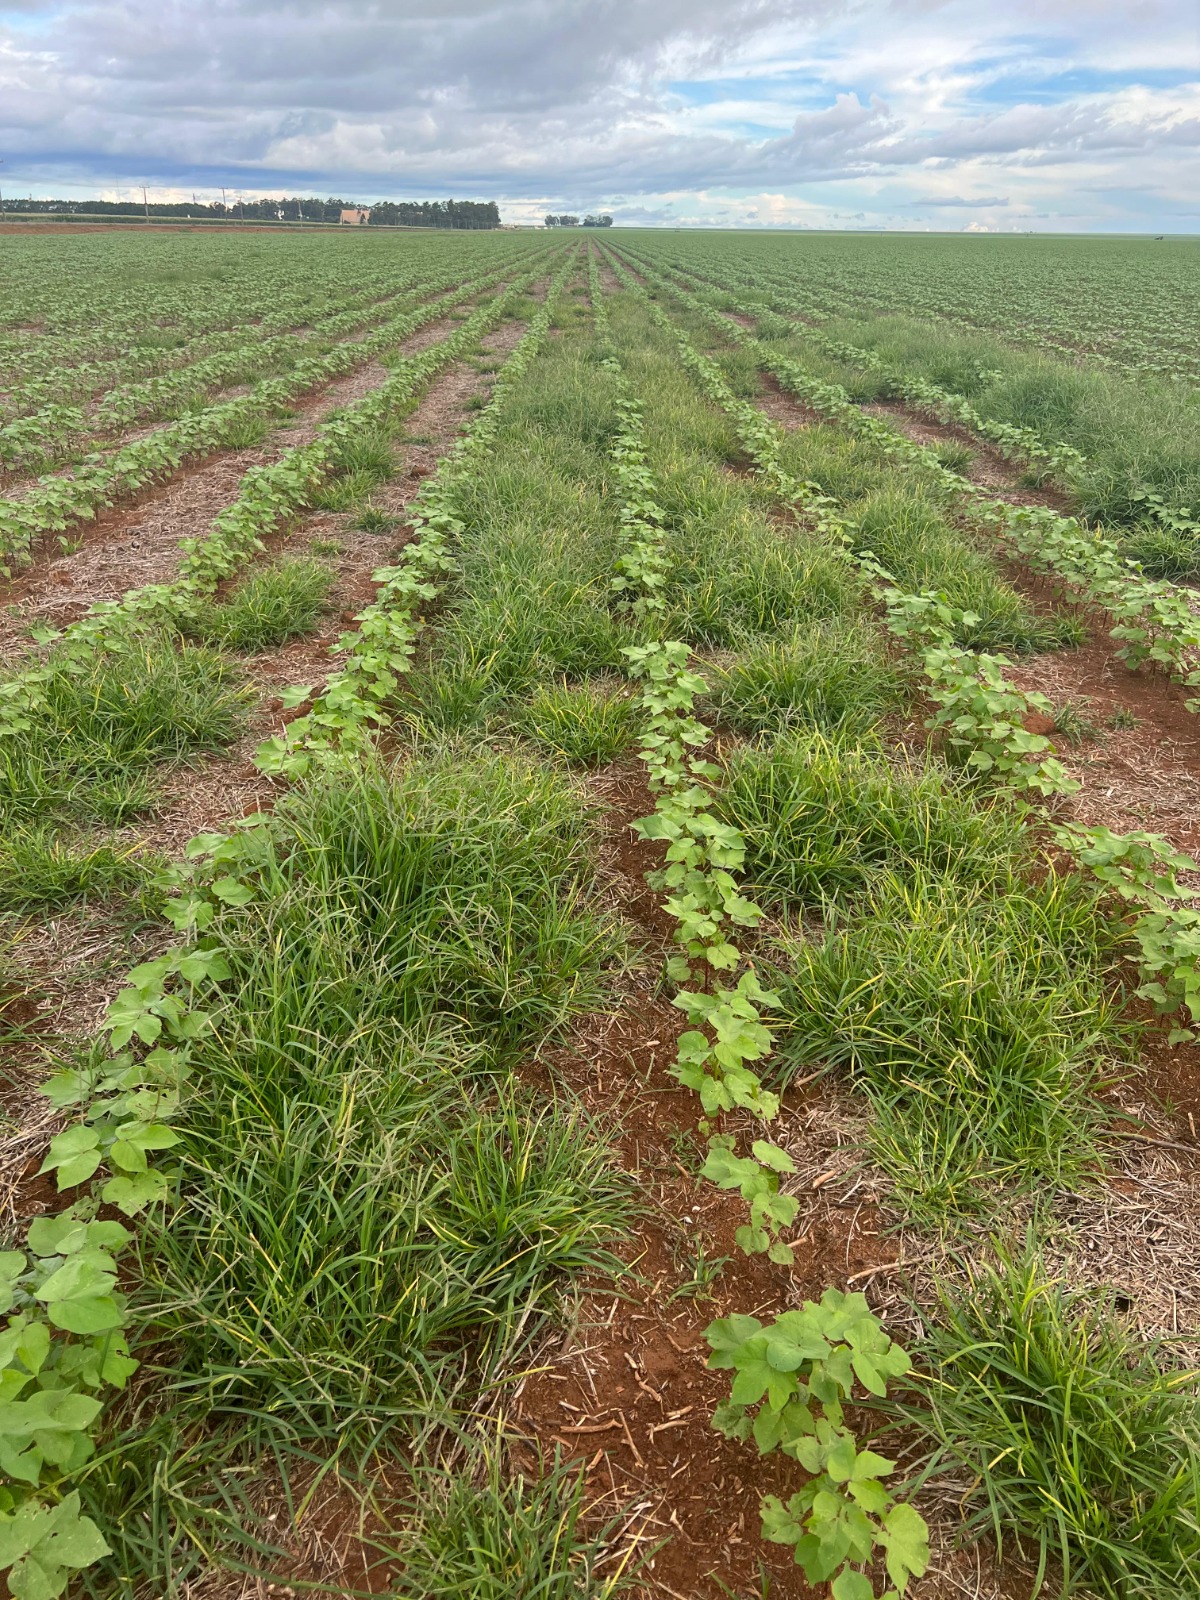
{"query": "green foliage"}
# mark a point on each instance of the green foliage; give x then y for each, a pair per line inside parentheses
(821, 816)
(271, 605)
(1079, 1442)
(914, 541)
(1141, 868)
(476, 1535)
(99, 721)
(799, 1371)
(42, 866)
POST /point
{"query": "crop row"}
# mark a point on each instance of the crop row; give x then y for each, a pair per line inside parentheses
(345, 1238)
(56, 371)
(104, 293)
(1129, 315)
(980, 1324)
(982, 715)
(844, 1516)
(1155, 621)
(1049, 456)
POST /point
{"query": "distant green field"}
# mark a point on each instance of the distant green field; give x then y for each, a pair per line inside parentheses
(1134, 303)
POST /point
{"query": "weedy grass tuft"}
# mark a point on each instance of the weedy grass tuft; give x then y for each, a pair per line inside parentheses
(822, 816)
(977, 1018)
(40, 866)
(370, 1210)
(105, 723)
(1080, 1443)
(831, 675)
(586, 724)
(913, 539)
(480, 1534)
(273, 604)
(362, 465)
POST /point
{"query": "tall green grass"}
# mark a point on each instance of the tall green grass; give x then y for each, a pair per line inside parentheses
(821, 818)
(978, 1020)
(106, 722)
(476, 1535)
(1079, 1443)
(270, 605)
(1136, 434)
(835, 675)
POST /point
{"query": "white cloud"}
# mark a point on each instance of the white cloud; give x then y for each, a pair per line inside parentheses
(875, 107)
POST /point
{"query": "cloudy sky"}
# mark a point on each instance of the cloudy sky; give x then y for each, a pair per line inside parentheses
(1001, 114)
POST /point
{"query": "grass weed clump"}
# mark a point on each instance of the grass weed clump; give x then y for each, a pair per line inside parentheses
(588, 725)
(40, 866)
(365, 1197)
(831, 675)
(1079, 1442)
(273, 604)
(363, 463)
(108, 720)
(977, 1020)
(479, 1535)
(821, 816)
(455, 891)
(361, 1234)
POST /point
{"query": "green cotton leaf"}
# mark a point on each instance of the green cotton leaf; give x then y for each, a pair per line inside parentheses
(772, 1156)
(199, 966)
(149, 1135)
(727, 1336)
(12, 1264)
(779, 1523)
(57, 1236)
(870, 1495)
(869, 1465)
(751, 1241)
(840, 1459)
(868, 1373)
(231, 892)
(851, 1585)
(43, 1545)
(74, 1154)
(906, 1537)
(295, 695)
(132, 1194)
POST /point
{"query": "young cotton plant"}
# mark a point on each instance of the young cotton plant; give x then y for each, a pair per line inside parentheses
(63, 1350)
(793, 1378)
(702, 856)
(1142, 869)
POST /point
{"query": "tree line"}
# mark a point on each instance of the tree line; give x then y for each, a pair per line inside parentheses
(568, 221)
(310, 208)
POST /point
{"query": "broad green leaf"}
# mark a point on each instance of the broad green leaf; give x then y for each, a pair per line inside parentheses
(907, 1539)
